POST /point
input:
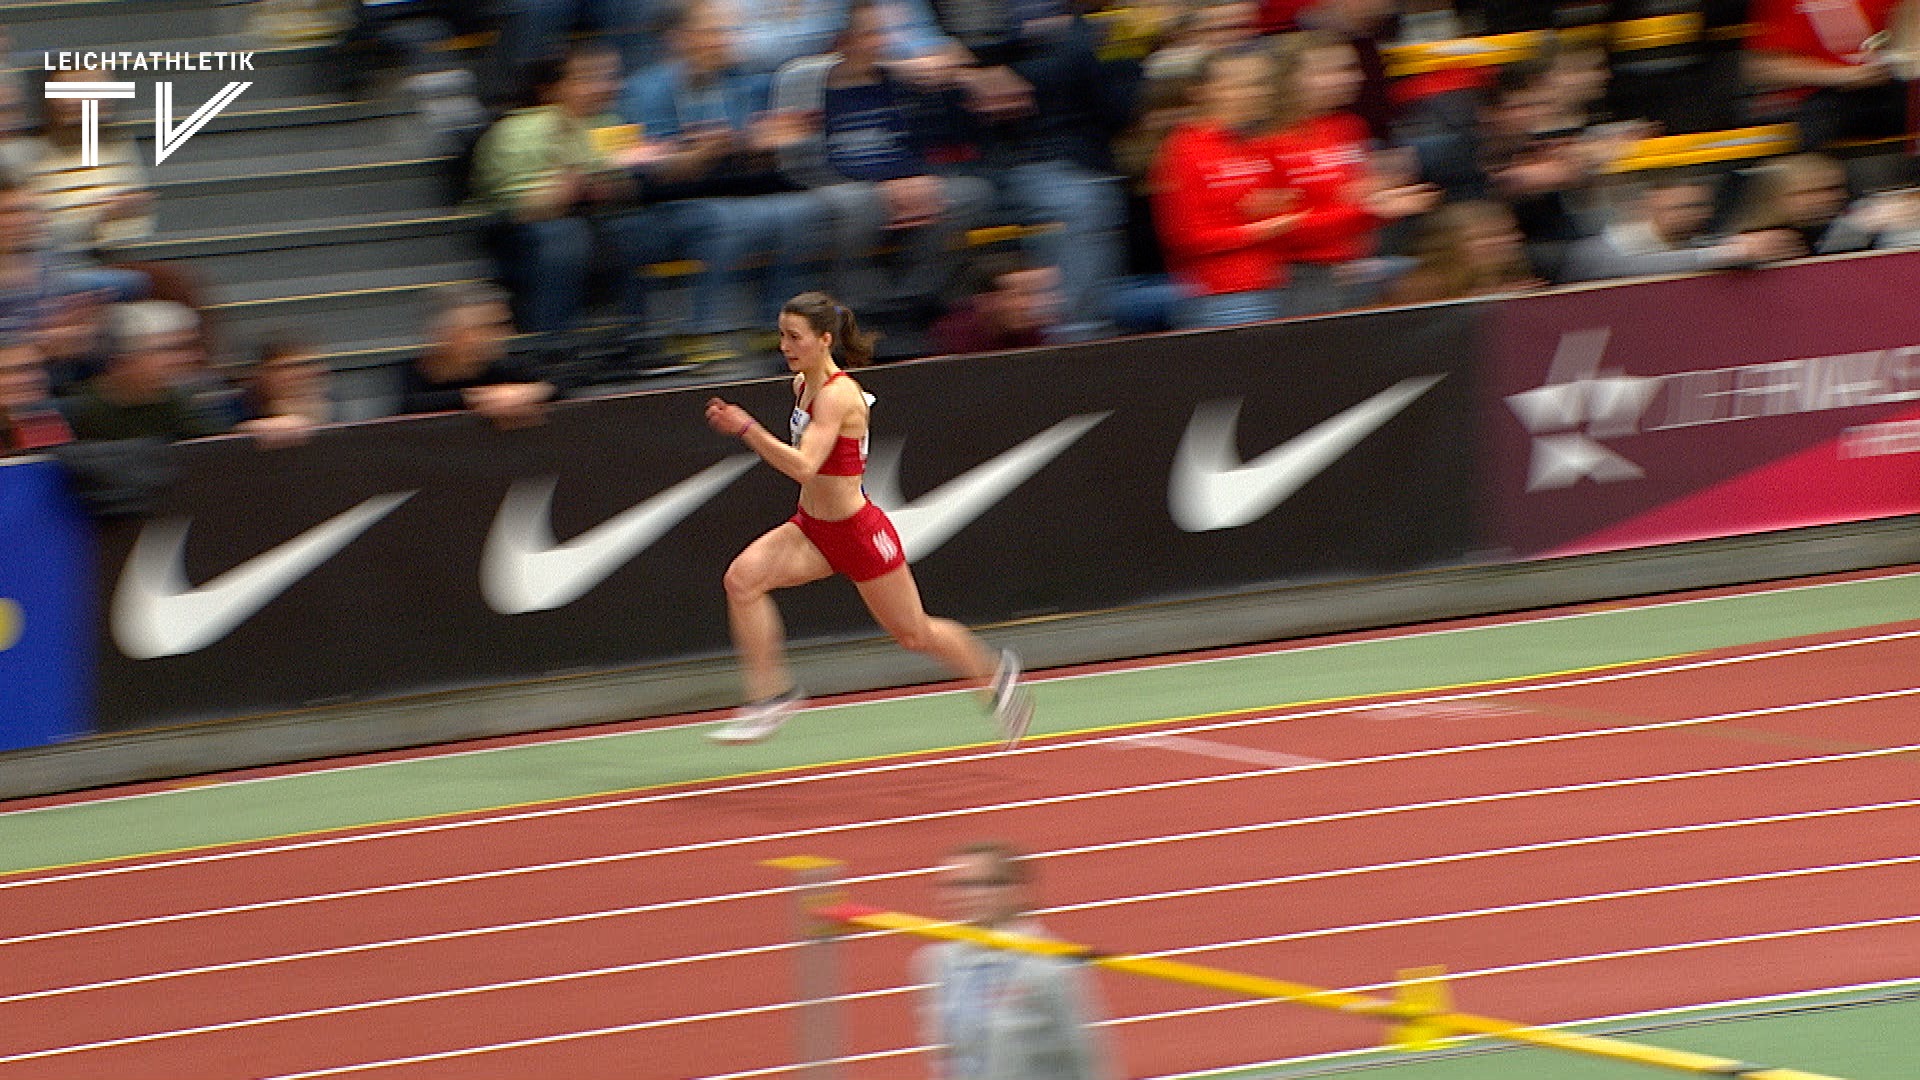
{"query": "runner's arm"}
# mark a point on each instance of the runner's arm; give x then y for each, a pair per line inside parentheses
(800, 463)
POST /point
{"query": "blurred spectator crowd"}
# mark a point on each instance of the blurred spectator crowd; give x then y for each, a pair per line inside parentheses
(974, 175)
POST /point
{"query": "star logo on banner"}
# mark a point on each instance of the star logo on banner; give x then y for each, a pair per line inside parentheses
(1579, 405)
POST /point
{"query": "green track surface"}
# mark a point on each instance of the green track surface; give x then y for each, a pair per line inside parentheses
(226, 813)
(1856, 1036)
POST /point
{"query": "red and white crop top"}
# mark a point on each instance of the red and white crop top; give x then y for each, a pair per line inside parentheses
(848, 456)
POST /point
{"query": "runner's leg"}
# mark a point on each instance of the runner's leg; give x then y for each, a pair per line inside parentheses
(894, 600)
(780, 559)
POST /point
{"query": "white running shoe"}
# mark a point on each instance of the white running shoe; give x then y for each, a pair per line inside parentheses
(758, 721)
(1012, 705)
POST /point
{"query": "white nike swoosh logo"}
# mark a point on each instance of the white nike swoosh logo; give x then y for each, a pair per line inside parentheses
(157, 613)
(523, 569)
(1211, 489)
(933, 518)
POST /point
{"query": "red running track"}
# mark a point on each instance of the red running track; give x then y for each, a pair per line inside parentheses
(1562, 878)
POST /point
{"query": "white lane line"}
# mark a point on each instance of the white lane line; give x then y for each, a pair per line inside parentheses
(1521, 908)
(880, 823)
(414, 999)
(945, 815)
(1472, 855)
(1507, 623)
(439, 826)
(623, 1029)
(634, 968)
(1219, 751)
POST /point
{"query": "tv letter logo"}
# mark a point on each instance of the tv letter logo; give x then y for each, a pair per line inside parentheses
(167, 138)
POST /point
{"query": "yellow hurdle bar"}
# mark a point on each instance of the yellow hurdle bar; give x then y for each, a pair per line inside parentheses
(1420, 1013)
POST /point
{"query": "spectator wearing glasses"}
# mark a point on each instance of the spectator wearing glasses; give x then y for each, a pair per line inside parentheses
(993, 1014)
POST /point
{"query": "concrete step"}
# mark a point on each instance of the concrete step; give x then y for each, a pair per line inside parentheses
(258, 136)
(368, 354)
(86, 24)
(360, 305)
(314, 248)
(208, 196)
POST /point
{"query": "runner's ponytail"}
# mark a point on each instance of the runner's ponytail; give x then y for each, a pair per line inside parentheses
(828, 316)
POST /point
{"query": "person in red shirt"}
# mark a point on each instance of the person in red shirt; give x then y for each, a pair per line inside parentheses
(1217, 202)
(1347, 190)
(1834, 59)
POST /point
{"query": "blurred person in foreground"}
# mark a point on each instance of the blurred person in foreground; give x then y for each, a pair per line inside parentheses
(466, 364)
(1365, 25)
(1011, 304)
(155, 382)
(1507, 147)
(1886, 219)
(994, 1014)
(1663, 230)
(29, 419)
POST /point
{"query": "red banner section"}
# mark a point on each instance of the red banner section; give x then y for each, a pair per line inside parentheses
(1631, 415)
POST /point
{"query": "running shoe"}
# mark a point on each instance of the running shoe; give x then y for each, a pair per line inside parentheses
(1012, 705)
(757, 722)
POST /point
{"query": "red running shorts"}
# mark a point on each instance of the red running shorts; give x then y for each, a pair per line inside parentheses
(861, 547)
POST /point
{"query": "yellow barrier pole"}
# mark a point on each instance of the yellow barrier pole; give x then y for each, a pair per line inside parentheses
(816, 976)
(1421, 1014)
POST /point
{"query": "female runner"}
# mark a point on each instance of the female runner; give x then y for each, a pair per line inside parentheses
(835, 531)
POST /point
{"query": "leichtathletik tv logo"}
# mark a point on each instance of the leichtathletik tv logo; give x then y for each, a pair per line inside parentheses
(167, 136)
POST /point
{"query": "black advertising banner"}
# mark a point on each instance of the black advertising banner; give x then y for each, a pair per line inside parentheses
(1704, 406)
(420, 554)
